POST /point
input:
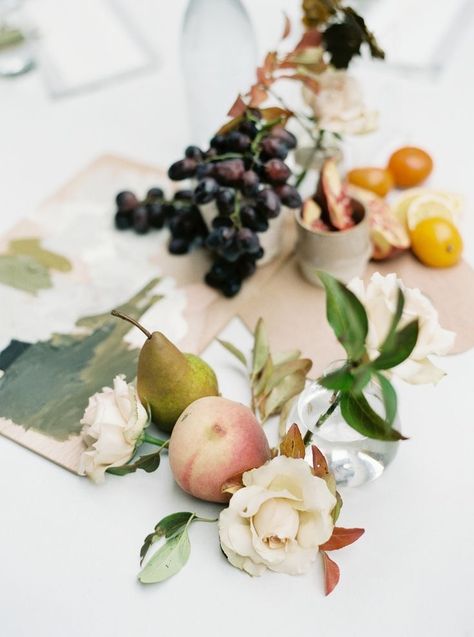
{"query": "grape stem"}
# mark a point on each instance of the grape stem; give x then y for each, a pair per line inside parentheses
(235, 216)
(209, 160)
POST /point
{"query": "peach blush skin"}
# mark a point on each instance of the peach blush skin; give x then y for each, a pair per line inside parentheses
(213, 440)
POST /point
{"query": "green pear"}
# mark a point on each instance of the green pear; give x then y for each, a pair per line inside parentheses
(169, 380)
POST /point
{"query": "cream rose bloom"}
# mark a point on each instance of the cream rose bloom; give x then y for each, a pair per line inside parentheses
(278, 519)
(338, 105)
(113, 422)
(379, 299)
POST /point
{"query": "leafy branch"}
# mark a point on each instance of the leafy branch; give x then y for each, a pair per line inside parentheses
(348, 319)
(275, 379)
(174, 553)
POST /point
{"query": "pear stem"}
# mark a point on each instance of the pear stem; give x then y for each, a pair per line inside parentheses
(131, 320)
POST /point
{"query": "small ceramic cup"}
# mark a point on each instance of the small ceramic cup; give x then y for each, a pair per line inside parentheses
(343, 254)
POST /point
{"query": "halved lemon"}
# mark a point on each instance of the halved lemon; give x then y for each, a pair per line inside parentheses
(428, 206)
(423, 203)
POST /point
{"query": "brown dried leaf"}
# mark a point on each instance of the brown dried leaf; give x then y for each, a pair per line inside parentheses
(341, 537)
(285, 357)
(290, 386)
(260, 384)
(238, 107)
(233, 484)
(261, 348)
(292, 444)
(320, 465)
(286, 369)
(331, 573)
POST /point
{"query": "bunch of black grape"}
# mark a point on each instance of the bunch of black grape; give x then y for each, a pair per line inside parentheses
(181, 215)
(244, 174)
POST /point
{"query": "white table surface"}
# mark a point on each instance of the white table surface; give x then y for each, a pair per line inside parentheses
(68, 550)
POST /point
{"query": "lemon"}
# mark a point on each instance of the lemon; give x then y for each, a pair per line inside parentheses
(436, 242)
(423, 203)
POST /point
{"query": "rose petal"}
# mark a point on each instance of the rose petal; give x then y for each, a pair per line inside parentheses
(315, 529)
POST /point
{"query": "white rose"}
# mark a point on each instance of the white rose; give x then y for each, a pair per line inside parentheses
(338, 105)
(379, 299)
(278, 519)
(113, 422)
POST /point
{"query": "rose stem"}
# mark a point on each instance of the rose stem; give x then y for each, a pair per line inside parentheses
(155, 441)
(132, 321)
(322, 418)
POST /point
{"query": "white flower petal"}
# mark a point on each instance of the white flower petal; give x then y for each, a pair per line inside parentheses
(248, 500)
(279, 519)
(113, 423)
(315, 528)
(379, 299)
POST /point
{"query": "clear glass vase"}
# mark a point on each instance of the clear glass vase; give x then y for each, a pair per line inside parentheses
(353, 459)
(219, 58)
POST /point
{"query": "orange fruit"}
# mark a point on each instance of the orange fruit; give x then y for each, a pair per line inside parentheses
(410, 166)
(377, 180)
(436, 242)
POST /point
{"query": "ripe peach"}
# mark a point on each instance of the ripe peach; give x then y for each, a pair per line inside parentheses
(213, 440)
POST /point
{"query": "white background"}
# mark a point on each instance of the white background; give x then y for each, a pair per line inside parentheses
(68, 550)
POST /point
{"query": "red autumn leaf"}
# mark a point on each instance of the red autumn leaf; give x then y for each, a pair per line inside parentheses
(271, 63)
(312, 37)
(331, 573)
(257, 95)
(286, 28)
(342, 537)
(292, 444)
(237, 108)
(320, 465)
(261, 77)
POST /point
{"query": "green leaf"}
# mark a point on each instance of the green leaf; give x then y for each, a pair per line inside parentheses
(362, 376)
(357, 412)
(346, 315)
(389, 396)
(233, 350)
(261, 349)
(337, 509)
(148, 463)
(399, 348)
(168, 560)
(168, 527)
(340, 380)
(395, 319)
